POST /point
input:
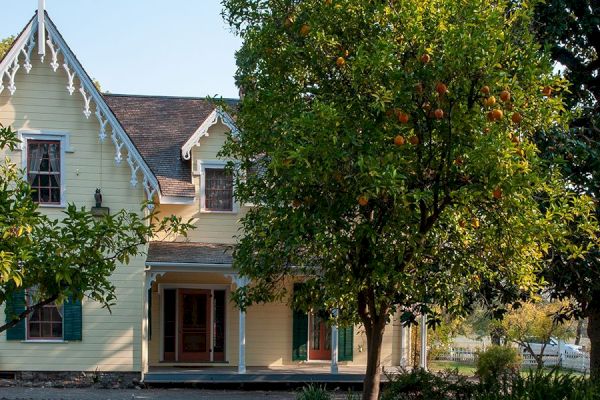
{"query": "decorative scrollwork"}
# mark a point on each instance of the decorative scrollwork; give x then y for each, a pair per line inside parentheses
(55, 52)
(118, 146)
(71, 77)
(86, 100)
(26, 50)
(102, 122)
(134, 169)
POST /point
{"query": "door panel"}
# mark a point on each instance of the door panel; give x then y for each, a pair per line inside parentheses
(194, 325)
(319, 338)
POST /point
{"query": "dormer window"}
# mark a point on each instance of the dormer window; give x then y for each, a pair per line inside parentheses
(43, 170)
(216, 187)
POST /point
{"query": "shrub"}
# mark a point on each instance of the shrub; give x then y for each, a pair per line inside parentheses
(419, 384)
(496, 364)
(312, 392)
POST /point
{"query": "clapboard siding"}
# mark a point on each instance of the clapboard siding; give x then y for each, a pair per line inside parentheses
(111, 341)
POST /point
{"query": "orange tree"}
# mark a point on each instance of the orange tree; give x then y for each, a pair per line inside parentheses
(391, 156)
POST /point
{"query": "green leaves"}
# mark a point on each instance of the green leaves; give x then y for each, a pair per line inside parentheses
(73, 257)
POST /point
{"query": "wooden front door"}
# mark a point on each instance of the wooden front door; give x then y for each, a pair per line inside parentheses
(319, 339)
(194, 325)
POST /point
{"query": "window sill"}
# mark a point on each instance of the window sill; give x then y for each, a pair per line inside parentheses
(43, 205)
(44, 341)
(217, 212)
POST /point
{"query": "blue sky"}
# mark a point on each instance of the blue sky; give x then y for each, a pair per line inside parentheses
(173, 47)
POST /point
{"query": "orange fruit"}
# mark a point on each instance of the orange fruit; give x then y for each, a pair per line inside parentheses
(341, 61)
(497, 193)
(516, 118)
(304, 30)
(485, 90)
(438, 113)
(497, 114)
(547, 91)
(490, 101)
(441, 88)
(399, 140)
(505, 95)
(425, 58)
(363, 200)
(414, 140)
(403, 117)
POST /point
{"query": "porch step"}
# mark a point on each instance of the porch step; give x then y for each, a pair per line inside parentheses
(250, 377)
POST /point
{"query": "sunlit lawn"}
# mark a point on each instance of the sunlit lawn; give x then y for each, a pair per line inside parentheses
(469, 369)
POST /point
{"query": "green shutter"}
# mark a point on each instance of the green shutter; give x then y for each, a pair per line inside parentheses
(15, 306)
(150, 314)
(72, 323)
(299, 334)
(345, 343)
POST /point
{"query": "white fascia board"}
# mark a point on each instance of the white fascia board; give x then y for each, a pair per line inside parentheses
(175, 200)
(212, 119)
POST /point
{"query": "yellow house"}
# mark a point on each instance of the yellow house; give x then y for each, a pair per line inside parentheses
(173, 306)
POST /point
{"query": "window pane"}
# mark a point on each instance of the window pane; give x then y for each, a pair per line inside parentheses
(43, 168)
(44, 180)
(57, 330)
(218, 189)
(55, 195)
(44, 195)
(45, 323)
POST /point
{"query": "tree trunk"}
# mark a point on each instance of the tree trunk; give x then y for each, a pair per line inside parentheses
(593, 331)
(372, 380)
(579, 331)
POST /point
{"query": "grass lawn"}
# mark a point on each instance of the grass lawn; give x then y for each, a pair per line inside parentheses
(469, 369)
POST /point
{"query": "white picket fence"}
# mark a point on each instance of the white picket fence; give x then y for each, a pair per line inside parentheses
(576, 362)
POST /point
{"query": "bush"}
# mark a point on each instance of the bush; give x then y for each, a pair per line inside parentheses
(419, 384)
(496, 364)
(312, 392)
(537, 385)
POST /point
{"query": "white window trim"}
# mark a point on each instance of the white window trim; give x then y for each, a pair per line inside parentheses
(65, 147)
(210, 164)
(43, 340)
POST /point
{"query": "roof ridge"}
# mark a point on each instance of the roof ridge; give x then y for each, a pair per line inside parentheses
(166, 96)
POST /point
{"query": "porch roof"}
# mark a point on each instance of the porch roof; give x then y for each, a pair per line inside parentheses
(190, 253)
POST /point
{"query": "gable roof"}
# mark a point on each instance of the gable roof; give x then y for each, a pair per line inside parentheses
(78, 80)
(159, 126)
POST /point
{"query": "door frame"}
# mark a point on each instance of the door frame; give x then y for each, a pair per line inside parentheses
(207, 297)
(193, 286)
(308, 341)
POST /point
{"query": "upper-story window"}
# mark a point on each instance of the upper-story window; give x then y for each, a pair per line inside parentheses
(44, 170)
(216, 187)
(218, 190)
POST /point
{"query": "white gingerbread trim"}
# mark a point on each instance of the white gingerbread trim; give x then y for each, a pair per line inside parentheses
(212, 119)
(10, 64)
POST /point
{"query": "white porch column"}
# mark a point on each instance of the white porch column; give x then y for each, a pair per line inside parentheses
(402, 361)
(423, 361)
(149, 278)
(241, 282)
(147, 284)
(334, 346)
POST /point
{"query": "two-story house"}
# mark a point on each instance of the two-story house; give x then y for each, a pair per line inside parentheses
(173, 305)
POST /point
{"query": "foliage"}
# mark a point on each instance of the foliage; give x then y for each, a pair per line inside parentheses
(313, 392)
(497, 364)
(440, 337)
(482, 322)
(5, 45)
(70, 258)
(538, 385)
(570, 30)
(535, 321)
(419, 384)
(388, 171)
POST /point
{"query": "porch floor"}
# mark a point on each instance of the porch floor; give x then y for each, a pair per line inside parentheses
(292, 374)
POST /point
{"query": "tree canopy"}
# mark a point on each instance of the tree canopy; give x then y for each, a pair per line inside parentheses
(391, 156)
(5, 45)
(67, 259)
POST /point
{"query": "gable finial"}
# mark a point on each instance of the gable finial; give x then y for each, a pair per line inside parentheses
(41, 15)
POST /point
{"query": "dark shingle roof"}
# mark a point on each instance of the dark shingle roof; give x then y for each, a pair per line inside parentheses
(159, 126)
(190, 252)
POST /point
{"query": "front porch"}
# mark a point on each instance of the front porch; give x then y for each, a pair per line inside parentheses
(284, 375)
